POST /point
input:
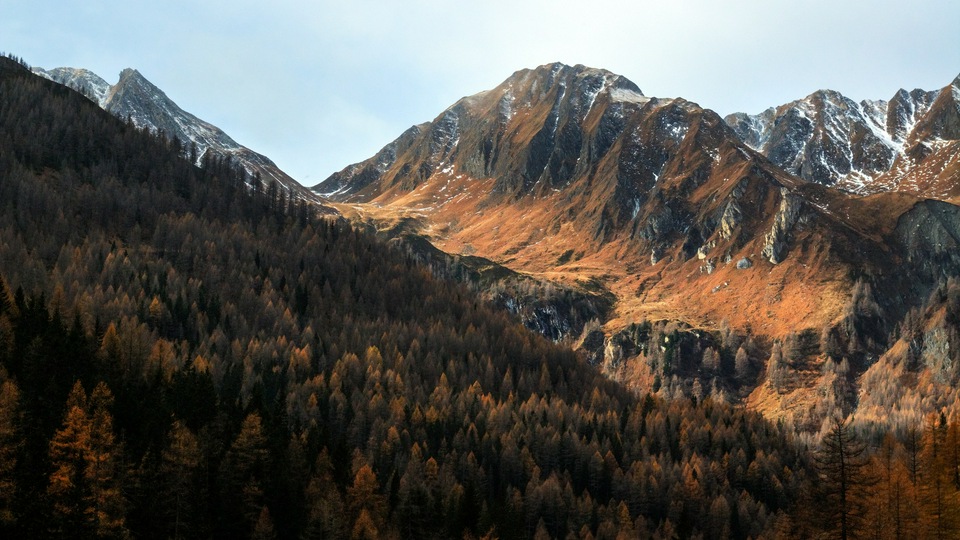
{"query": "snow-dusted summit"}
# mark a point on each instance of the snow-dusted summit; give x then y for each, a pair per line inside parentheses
(571, 174)
(866, 147)
(135, 98)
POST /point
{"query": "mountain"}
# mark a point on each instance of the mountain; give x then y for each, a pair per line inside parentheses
(909, 143)
(571, 176)
(136, 98)
(183, 356)
(571, 173)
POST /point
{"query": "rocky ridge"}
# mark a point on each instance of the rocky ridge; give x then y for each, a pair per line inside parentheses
(908, 143)
(135, 98)
(570, 176)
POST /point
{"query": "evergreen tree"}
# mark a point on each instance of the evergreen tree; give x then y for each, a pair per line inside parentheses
(263, 530)
(325, 508)
(741, 364)
(365, 502)
(776, 368)
(242, 475)
(85, 483)
(940, 500)
(843, 481)
(68, 487)
(182, 493)
(106, 506)
(10, 445)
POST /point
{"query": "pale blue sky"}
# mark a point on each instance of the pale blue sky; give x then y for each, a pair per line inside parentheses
(317, 85)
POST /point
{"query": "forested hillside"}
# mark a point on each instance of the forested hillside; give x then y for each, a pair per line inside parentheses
(182, 357)
(784, 287)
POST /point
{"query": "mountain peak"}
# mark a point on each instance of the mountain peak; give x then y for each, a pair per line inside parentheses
(558, 68)
(73, 72)
(826, 93)
(597, 79)
(132, 77)
(129, 72)
(135, 98)
(530, 133)
(866, 147)
(555, 67)
(85, 81)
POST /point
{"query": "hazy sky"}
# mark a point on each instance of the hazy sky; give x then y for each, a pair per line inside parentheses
(317, 85)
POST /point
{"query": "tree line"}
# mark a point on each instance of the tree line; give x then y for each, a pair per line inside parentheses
(185, 353)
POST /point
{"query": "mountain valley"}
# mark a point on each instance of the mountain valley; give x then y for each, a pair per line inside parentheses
(561, 309)
(572, 177)
(183, 356)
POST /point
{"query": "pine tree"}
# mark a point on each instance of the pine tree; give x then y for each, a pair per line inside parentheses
(364, 499)
(106, 506)
(68, 487)
(718, 518)
(10, 443)
(364, 527)
(741, 364)
(325, 509)
(242, 474)
(939, 499)
(844, 480)
(85, 483)
(711, 360)
(263, 530)
(181, 493)
(776, 370)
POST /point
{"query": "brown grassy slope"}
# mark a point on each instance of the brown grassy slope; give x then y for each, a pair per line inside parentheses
(555, 174)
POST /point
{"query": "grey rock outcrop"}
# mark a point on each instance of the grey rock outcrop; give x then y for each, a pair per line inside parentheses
(930, 231)
(732, 215)
(776, 240)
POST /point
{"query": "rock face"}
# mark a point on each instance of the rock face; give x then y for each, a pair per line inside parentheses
(615, 161)
(357, 177)
(687, 224)
(930, 162)
(775, 241)
(531, 134)
(753, 130)
(732, 212)
(866, 147)
(147, 106)
(930, 231)
(905, 109)
(825, 138)
(571, 174)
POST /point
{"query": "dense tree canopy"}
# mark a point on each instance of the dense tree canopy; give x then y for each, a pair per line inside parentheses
(186, 354)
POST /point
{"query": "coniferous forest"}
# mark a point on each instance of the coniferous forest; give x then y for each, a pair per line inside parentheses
(185, 353)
